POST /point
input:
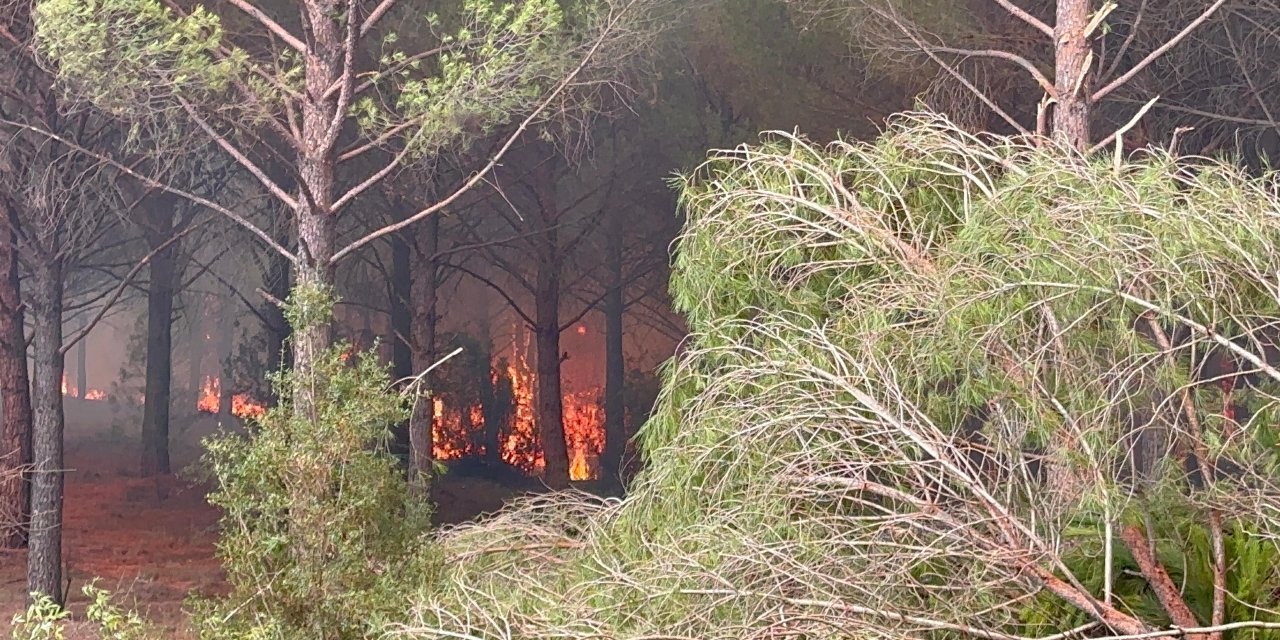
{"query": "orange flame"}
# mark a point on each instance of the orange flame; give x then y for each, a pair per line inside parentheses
(242, 404)
(89, 394)
(454, 429)
(210, 391)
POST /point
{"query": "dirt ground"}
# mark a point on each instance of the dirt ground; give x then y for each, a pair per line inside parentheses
(151, 541)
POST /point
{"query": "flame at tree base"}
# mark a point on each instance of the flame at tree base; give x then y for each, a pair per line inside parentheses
(458, 432)
(73, 392)
(243, 406)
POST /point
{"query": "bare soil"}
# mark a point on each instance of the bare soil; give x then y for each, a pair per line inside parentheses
(151, 540)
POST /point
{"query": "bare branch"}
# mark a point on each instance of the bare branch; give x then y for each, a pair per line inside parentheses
(986, 100)
(1021, 14)
(1151, 57)
(271, 25)
(346, 80)
(152, 182)
(244, 161)
(480, 175)
(120, 289)
(376, 15)
(1036, 74)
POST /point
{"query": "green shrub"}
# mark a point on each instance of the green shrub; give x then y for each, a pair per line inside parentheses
(45, 620)
(320, 534)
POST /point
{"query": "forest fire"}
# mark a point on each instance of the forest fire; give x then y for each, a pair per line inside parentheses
(242, 406)
(73, 392)
(458, 432)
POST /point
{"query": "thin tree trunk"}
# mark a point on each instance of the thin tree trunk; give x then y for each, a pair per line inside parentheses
(278, 285)
(555, 450)
(15, 396)
(550, 400)
(159, 372)
(425, 290)
(226, 347)
(1072, 78)
(400, 293)
(82, 365)
(614, 359)
(44, 560)
(497, 415)
(197, 340)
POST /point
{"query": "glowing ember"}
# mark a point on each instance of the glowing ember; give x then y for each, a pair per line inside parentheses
(68, 391)
(95, 394)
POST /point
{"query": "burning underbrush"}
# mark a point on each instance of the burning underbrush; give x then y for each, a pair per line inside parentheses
(243, 405)
(209, 399)
(485, 404)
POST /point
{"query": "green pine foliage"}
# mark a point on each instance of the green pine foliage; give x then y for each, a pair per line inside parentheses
(924, 373)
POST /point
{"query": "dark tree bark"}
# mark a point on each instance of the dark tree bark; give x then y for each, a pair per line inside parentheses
(615, 373)
(400, 294)
(316, 234)
(44, 560)
(279, 283)
(423, 336)
(159, 369)
(196, 347)
(82, 367)
(1071, 77)
(15, 396)
(226, 348)
(498, 399)
(555, 451)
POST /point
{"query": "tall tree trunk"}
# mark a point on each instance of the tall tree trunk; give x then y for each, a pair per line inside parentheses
(615, 365)
(226, 347)
(555, 450)
(400, 294)
(279, 355)
(159, 372)
(315, 335)
(423, 336)
(15, 398)
(1071, 77)
(44, 560)
(495, 396)
(82, 364)
(197, 345)
(314, 214)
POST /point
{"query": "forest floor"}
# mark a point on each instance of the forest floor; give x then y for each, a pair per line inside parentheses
(151, 541)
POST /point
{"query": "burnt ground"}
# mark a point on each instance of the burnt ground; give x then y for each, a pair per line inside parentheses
(151, 541)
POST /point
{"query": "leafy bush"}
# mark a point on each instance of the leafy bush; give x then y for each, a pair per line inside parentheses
(45, 620)
(321, 537)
